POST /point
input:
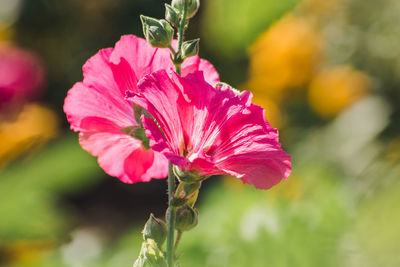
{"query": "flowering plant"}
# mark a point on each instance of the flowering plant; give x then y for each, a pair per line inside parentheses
(152, 108)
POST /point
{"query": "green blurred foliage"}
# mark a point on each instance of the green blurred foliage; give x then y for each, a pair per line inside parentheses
(230, 26)
(252, 228)
(377, 229)
(29, 190)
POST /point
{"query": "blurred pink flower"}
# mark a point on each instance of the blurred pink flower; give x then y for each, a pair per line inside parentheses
(97, 109)
(21, 75)
(210, 130)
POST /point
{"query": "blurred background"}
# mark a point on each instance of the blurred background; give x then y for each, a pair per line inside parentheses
(328, 75)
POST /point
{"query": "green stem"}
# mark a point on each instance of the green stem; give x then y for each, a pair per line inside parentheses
(171, 178)
(171, 217)
(178, 238)
(181, 32)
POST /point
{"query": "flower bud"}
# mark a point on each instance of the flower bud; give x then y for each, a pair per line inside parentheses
(190, 48)
(176, 202)
(150, 255)
(186, 218)
(158, 33)
(172, 15)
(192, 6)
(187, 177)
(155, 229)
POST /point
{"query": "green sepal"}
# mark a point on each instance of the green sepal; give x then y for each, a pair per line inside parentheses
(172, 15)
(158, 33)
(155, 229)
(190, 48)
(192, 6)
(186, 218)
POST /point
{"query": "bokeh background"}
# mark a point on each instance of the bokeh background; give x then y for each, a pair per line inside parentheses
(328, 75)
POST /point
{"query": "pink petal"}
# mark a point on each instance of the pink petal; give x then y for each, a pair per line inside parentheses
(211, 130)
(142, 57)
(123, 156)
(262, 169)
(151, 59)
(83, 102)
(192, 64)
(96, 107)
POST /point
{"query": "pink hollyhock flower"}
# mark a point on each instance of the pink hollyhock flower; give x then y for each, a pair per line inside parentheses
(210, 130)
(21, 75)
(97, 109)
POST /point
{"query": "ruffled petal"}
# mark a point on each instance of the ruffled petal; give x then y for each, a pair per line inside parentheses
(261, 168)
(211, 130)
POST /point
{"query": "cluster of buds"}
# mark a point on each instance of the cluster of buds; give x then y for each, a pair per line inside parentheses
(155, 229)
(185, 198)
(159, 33)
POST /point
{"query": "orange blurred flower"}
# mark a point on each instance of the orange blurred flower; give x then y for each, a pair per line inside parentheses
(334, 89)
(33, 126)
(284, 57)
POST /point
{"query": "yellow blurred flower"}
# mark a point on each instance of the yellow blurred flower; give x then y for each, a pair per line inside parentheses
(6, 32)
(24, 252)
(272, 111)
(284, 57)
(33, 126)
(334, 89)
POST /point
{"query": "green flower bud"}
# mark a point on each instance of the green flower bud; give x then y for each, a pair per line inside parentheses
(190, 48)
(150, 255)
(192, 6)
(155, 229)
(186, 218)
(172, 15)
(188, 177)
(158, 33)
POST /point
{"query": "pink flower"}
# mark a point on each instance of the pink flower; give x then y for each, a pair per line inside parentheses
(21, 75)
(97, 109)
(210, 130)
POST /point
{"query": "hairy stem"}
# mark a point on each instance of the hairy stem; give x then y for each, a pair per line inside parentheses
(171, 217)
(181, 32)
(171, 178)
